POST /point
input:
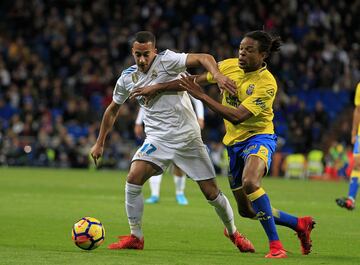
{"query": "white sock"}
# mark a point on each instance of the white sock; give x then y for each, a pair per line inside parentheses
(155, 182)
(179, 184)
(134, 204)
(225, 212)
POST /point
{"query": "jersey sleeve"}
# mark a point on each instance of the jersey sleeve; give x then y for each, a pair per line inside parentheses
(210, 77)
(357, 95)
(198, 106)
(120, 94)
(225, 67)
(140, 117)
(174, 63)
(261, 99)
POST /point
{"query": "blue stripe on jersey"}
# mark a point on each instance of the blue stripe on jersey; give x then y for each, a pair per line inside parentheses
(162, 53)
(129, 70)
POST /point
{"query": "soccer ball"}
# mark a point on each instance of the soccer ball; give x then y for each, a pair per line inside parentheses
(88, 233)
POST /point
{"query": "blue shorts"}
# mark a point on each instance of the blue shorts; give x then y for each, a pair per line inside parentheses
(261, 145)
(356, 150)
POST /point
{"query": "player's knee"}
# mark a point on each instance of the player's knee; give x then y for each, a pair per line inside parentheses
(134, 178)
(249, 185)
(211, 195)
(209, 189)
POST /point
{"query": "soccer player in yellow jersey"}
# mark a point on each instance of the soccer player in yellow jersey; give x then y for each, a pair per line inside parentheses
(349, 202)
(250, 137)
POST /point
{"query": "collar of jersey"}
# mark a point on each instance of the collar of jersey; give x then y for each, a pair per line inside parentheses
(263, 68)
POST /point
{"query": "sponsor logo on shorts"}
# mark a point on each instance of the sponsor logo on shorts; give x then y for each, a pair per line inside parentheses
(263, 151)
(139, 154)
(248, 150)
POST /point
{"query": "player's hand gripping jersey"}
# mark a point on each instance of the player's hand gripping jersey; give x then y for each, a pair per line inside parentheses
(168, 117)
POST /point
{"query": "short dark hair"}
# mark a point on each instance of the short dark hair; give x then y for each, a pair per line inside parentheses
(267, 42)
(144, 37)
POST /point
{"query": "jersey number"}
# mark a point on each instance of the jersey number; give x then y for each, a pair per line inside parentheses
(148, 148)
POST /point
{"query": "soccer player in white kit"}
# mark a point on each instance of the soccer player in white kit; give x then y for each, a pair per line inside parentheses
(172, 135)
(179, 175)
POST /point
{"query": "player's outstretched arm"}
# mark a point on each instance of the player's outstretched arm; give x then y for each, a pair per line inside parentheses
(209, 63)
(106, 125)
(149, 92)
(235, 116)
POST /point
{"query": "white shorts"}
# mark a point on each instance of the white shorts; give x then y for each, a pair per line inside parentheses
(192, 157)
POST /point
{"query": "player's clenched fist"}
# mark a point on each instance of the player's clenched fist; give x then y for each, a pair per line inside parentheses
(96, 152)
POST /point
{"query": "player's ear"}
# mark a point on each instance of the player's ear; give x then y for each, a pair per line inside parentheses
(264, 55)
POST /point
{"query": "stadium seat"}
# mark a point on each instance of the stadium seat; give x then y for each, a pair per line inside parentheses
(295, 166)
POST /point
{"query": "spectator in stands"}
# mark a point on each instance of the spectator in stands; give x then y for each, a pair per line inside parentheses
(55, 52)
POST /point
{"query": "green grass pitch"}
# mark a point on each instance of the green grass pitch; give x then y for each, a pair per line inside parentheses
(39, 206)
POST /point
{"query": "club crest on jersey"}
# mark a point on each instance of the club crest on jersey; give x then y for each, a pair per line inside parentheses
(250, 89)
(135, 77)
(154, 74)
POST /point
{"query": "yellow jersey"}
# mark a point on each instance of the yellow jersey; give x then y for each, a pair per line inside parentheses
(357, 101)
(256, 92)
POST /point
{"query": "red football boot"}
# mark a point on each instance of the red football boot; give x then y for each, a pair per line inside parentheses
(128, 242)
(240, 241)
(303, 230)
(276, 250)
(346, 203)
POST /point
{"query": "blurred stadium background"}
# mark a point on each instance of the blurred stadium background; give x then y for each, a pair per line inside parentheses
(59, 61)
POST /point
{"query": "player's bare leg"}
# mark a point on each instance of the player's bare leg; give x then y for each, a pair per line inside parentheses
(244, 204)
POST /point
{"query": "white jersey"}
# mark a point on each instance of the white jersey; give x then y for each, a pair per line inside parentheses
(170, 116)
(197, 104)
